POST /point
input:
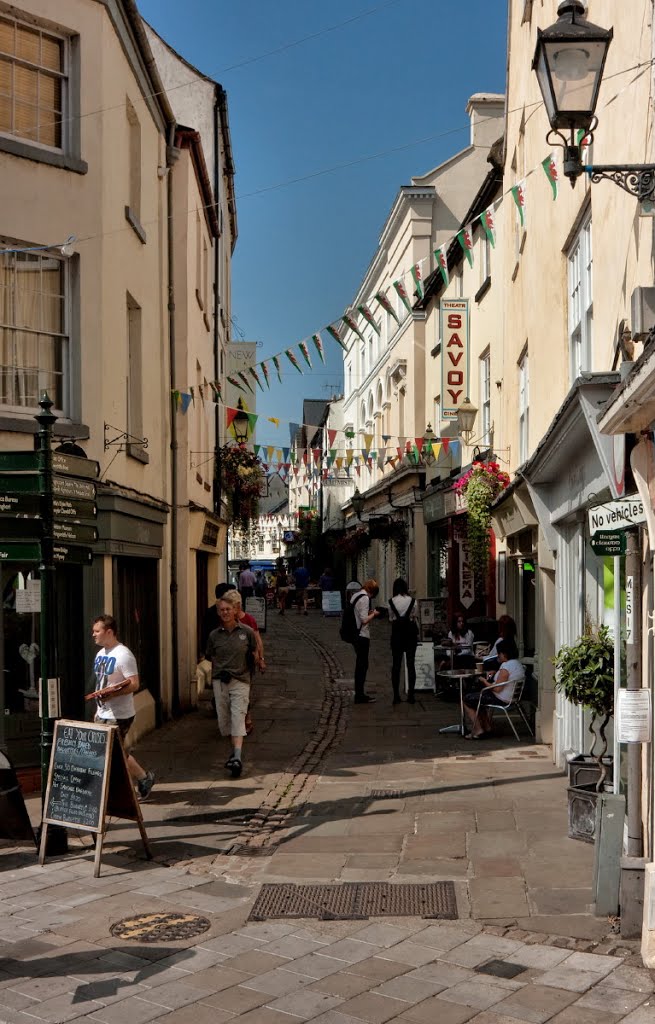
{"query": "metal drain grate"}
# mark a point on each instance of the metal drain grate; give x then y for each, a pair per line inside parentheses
(354, 901)
(500, 969)
(387, 794)
(160, 927)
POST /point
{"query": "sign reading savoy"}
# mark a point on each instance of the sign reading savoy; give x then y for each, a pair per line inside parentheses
(454, 333)
(617, 515)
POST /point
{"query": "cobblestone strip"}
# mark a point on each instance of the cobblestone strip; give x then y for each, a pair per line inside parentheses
(263, 830)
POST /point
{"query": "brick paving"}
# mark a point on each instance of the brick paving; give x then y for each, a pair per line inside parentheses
(330, 792)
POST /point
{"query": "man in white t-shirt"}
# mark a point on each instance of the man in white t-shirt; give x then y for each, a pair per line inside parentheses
(117, 679)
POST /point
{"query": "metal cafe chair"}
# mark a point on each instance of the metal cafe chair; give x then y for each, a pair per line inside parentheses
(514, 705)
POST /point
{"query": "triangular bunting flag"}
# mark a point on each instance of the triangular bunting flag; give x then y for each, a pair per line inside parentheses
(550, 170)
(519, 196)
(488, 222)
(185, 400)
(266, 373)
(441, 258)
(274, 420)
(333, 331)
(235, 383)
(316, 338)
(465, 239)
(402, 292)
(245, 380)
(368, 316)
(368, 441)
(276, 364)
(305, 353)
(417, 278)
(292, 359)
(383, 300)
(351, 323)
(331, 437)
(253, 372)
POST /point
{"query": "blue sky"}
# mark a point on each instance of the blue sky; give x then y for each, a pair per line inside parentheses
(400, 74)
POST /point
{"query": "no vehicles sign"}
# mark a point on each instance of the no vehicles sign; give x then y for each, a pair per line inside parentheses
(616, 515)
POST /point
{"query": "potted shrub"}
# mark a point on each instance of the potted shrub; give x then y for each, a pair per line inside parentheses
(585, 675)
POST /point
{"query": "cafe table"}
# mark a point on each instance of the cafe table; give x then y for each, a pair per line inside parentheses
(460, 675)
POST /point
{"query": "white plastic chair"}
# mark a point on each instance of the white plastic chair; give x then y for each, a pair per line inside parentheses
(514, 705)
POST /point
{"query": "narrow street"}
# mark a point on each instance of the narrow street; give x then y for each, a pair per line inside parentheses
(330, 792)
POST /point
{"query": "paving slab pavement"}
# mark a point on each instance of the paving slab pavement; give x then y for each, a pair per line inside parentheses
(331, 792)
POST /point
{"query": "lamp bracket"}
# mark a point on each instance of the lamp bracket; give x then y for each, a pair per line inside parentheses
(122, 439)
(572, 164)
(637, 180)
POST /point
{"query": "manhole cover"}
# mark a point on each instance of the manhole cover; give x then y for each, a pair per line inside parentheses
(160, 927)
(500, 969)
(352, 901)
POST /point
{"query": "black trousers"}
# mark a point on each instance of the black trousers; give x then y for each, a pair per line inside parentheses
(398, 648)
(361, 645)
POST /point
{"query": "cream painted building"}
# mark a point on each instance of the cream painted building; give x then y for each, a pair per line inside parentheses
(93, 155)
(473, 294)
(201, 184)
(568, 278)
(386, 402)
(88, 323)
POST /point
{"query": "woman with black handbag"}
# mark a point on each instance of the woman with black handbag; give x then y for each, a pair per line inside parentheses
(404, 638)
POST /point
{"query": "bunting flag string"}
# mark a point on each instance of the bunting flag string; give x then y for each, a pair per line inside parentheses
(418, 273)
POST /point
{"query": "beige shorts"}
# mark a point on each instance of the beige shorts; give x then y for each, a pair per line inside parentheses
(231, 706)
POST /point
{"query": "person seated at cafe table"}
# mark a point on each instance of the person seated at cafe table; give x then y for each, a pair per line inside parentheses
(462, 639)
(506, 631)
(500, 689)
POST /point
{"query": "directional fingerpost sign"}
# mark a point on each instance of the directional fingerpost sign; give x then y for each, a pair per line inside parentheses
(30, 511)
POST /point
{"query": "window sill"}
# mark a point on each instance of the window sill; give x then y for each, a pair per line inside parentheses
(138, 452)
(135, 224)
(64, 161)
(483, 289)
(28, 425)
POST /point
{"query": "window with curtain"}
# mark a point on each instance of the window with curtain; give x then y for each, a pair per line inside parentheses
(34, 341)
(33, 83)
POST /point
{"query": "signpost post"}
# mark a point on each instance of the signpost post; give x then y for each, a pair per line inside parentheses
(44, 495)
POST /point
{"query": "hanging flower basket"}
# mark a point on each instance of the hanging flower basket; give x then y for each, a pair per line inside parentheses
(388, 530)
(480, 487)
(243, 476)
(354, 542)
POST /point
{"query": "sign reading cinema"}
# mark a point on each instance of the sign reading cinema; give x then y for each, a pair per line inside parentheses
(455, 355)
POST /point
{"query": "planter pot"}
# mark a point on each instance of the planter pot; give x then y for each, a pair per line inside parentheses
(584, 770)
(582, 812)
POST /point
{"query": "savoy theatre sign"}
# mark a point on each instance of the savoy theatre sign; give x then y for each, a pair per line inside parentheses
(454, 333)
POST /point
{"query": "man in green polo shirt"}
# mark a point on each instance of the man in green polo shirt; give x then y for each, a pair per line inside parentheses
(232, 649)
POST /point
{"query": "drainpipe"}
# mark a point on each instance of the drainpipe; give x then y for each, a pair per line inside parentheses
(218, 493)
(171, 158)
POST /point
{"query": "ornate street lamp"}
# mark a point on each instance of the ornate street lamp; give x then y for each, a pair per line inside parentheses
(358, 501)
(466, 414)
(569, 61)
(428, 437)
(241, 424)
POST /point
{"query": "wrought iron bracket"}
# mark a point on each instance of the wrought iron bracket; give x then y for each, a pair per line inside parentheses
(114, 437)
(637, 180)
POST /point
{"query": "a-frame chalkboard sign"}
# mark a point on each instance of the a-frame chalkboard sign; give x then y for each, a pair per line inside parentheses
(88, 780)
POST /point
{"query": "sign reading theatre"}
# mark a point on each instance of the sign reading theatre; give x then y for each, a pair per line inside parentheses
(455, 354)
